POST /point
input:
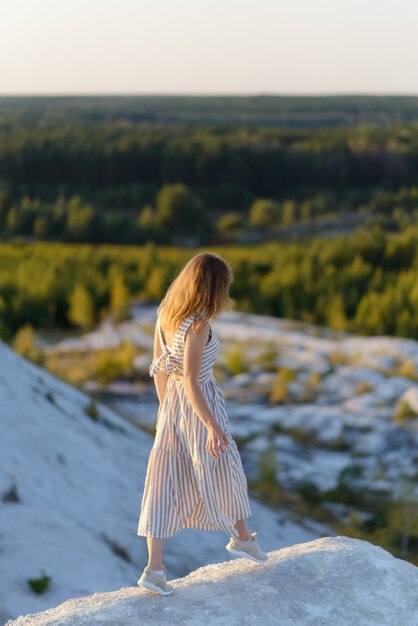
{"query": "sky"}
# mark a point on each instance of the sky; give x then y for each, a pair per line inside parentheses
(212, 47)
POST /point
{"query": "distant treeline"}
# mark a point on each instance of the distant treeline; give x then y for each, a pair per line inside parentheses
(132, 184)
(366, 283)
(265, 110)
(100, 160)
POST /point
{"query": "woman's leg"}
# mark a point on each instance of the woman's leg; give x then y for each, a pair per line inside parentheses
(155, 552)
(242, 528)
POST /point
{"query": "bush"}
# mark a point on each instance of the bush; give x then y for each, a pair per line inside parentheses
(92, 411)
(25, 344)
(280, 386)
(236, 362)
(263, 213)
(309, 491)
(404, 411)
(41, 584)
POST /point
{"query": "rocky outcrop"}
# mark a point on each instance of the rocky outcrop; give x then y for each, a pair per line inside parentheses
(332, 581)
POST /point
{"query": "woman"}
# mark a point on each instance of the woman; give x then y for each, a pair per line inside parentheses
(195, 477)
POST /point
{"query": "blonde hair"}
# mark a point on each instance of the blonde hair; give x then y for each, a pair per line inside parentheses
(201, 288)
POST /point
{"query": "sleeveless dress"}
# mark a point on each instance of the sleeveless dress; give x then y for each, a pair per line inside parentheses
(185, 486)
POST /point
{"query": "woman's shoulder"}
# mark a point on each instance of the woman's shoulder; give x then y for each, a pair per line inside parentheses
(200, 322)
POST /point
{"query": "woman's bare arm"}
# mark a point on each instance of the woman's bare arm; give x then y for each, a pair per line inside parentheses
(193, 353)
(217, 440)
(160, 378)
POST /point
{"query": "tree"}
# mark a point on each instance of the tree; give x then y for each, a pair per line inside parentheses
(40, 227)
(4, 205)
(119, 300)
(228, 222)
(147, 223)
(306, 210)
(288, 212)
(336, 316)
(25, 344)
(179, 212)
(80, 219)
(263, 213)
(81, 311)
(146, 218)
(12, 220)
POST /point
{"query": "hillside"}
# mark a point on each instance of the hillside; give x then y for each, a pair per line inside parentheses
(71, 481)
(338, 409)
(328, 582)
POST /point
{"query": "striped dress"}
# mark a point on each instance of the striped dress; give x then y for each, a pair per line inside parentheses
(185, 486)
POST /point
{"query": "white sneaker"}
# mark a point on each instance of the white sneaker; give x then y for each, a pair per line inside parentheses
(156, 582)
(249, 549)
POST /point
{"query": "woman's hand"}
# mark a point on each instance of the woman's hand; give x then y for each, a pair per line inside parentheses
(217, 441)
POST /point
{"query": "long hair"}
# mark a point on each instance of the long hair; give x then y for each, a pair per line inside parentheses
(201, 288)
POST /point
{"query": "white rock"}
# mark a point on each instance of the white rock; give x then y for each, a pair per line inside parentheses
(326, 423)
(370, 443)
(333, 581)
(239, 380)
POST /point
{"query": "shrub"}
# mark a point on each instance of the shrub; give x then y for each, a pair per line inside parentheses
(408, 370)
(267, 360)
(309, 491)
(313, 380)
(236, 362)
(92, 411)
(280, 386)
(404, 411)
(229, 222)
(110, 365)
(25, 344)
(41, 584)
(363, 387)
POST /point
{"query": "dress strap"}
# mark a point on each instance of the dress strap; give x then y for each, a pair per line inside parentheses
(180, 332)
(188, 321)
(185, 325)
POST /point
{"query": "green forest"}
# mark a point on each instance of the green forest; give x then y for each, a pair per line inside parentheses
(366, 282)
(314, 201)
(99, 170)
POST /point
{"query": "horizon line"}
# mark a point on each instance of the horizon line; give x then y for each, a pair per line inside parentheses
(122, 94)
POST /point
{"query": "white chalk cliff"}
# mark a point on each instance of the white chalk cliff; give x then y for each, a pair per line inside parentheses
(332, 581)
(70, 491)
